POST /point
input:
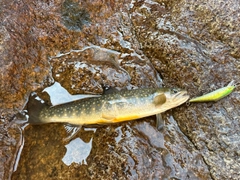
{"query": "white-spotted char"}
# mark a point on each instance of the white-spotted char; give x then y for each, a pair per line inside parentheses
(112, 108)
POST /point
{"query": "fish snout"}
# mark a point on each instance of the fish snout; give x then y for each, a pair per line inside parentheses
(181, 95)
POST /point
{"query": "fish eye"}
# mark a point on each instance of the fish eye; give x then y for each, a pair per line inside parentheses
(174, 91)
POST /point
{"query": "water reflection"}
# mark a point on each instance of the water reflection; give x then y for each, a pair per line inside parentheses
(77, 152)
(120, 134)
(56, 90)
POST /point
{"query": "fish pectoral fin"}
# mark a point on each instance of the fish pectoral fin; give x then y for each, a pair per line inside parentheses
(159, 99)
(159, 121)
(71, 131)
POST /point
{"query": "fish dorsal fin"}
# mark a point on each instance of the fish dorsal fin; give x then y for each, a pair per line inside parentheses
(110, 90)
(159, 99)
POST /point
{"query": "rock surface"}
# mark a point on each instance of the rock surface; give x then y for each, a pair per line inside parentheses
(86, 46)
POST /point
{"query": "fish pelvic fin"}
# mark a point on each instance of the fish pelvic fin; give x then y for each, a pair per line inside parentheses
(71, 131)
(160, 123)
(34, 106)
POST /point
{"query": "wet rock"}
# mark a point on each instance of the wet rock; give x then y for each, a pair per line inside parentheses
(133, 150)
(193, 45)
(214, 131)
(10, 143)
(91, 69)
(73, 17)
(188, 47)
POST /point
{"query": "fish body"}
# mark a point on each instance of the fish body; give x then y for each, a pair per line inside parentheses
(215, 95)
(112, 108)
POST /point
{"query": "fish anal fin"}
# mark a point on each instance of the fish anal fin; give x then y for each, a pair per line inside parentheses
(108, 117)
(126, 118)
(159, 99)
(71, 131)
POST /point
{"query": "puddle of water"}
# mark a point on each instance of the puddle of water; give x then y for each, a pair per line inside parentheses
(77, 151)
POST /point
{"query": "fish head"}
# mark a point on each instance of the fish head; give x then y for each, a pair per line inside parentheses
(174, 97)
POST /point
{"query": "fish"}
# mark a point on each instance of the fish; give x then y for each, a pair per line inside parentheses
(116, 107)
(215, 95)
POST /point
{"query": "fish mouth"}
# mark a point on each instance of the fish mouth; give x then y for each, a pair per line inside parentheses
(180, 97)
(183, 95)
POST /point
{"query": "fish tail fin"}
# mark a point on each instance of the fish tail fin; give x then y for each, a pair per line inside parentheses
(34, 106)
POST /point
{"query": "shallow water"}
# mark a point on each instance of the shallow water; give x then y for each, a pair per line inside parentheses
(140, 148)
